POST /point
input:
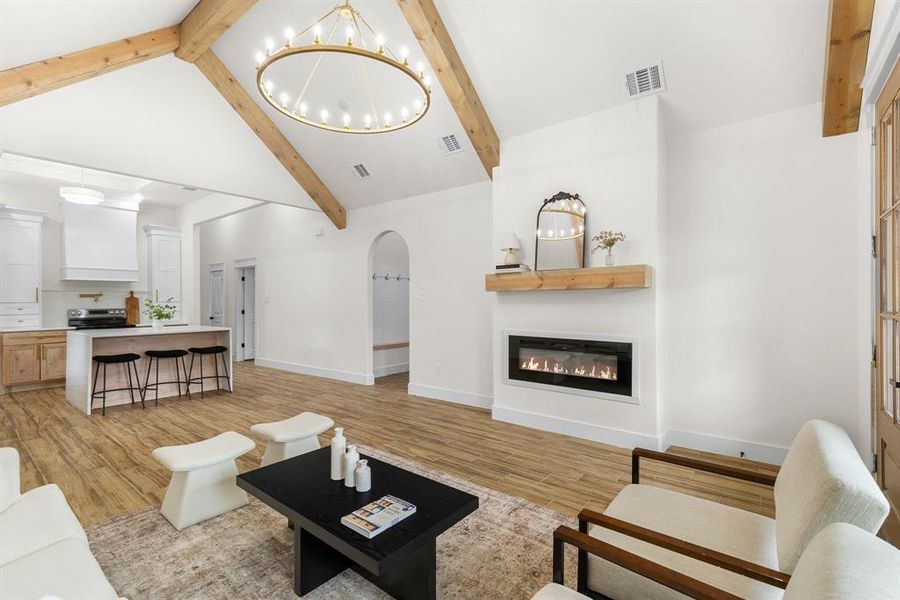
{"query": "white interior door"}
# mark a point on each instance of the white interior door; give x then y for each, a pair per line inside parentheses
(249, 313)
(217, 298)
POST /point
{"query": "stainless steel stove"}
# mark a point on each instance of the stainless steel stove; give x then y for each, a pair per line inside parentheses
(97, 318)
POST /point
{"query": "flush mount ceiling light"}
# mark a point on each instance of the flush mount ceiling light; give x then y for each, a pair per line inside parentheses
(394, 94)
(81, 194)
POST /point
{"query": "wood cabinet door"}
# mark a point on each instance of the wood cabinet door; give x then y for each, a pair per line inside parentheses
(21, 364)
(53, 361)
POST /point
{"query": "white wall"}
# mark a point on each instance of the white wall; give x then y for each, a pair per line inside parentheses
(762, 290)
(314, 314)
(612, 159)
(57, 296)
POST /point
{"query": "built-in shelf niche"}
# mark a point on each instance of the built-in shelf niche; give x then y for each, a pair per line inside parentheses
(594, 278)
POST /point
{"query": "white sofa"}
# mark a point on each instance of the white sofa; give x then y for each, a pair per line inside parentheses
(44, 551)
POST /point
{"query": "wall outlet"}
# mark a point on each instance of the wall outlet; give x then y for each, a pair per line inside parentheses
(437, 370)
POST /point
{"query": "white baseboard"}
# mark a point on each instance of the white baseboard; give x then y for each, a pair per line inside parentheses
(391, 369)
(588, 431)
(710, 443)
(437, 393)
(361, 378)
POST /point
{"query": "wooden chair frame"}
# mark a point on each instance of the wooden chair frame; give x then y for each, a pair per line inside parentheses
(647, 568)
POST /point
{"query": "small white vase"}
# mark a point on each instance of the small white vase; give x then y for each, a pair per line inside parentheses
(158, 324)
(338, 445)
(350, 460)
(610, 260)
(363, 476)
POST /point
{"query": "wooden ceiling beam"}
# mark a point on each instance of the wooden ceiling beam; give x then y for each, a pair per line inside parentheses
(849, 28)
(219, 75)
(426, 23)
(206, 23)
(36, 78)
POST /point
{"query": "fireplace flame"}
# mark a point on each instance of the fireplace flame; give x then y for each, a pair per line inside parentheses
(593, 370)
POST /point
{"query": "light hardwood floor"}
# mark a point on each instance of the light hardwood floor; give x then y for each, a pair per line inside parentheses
(103, 464)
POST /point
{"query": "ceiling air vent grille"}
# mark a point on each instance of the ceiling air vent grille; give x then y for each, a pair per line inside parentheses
(361, 171)
(450, 145)
(646, 80)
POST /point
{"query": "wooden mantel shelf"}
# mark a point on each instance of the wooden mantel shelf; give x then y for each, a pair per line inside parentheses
(595, 278)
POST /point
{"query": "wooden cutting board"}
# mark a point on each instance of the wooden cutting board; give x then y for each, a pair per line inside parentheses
(132, 309)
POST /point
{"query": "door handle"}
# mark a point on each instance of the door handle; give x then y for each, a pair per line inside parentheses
(894, 383)
(36, 294)
(157, 296)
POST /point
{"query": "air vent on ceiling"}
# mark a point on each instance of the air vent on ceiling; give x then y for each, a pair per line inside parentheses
(449, 144)
(361, 171)
(646, 80)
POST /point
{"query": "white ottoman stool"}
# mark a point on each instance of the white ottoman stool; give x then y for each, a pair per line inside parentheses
(292, 437)
(203, 473)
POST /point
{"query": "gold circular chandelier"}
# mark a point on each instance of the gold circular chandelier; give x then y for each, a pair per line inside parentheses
(357, 40)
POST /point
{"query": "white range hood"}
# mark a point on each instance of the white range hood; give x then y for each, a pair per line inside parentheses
(99, 243)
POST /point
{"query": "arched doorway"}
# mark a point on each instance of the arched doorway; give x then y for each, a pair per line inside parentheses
(390, 309)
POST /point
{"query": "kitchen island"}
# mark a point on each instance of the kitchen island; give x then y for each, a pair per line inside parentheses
(83, 344)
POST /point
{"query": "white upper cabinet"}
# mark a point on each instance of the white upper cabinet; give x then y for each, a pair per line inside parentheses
(164, 266)
(20, 268)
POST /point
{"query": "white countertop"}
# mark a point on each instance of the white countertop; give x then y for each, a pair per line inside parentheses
(33, 329)
(143, 331)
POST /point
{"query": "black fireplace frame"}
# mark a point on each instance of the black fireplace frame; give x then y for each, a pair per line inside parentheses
(624, 349)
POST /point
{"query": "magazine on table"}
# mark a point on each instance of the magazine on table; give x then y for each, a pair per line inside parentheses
(377, 516)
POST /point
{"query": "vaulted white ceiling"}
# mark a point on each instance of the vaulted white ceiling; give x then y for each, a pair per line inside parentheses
(534, 63)
(541, 62)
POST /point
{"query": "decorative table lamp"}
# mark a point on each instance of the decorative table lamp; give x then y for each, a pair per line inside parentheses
(510, 246)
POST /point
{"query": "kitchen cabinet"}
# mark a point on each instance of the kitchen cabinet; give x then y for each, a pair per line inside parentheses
(20, 268)
(164, 265)
(53, 361)
(33, 357)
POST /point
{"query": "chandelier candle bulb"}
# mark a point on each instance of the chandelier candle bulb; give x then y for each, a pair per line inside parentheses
(420, 69)
(270, 45)
(269, 87)
(288, 37)
(368, 121)
(349, 36)
(260, 58)
(303, 108)
(404, 54)
(380, 41)
(404, 114)
(387, 119)
(347, 120)
(284, 99)
(324, 116)
(317, 34)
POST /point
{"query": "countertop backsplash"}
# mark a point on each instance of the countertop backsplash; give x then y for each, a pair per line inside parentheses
(55, 303)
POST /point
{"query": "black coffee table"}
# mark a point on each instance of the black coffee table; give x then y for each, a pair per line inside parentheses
(401, 560)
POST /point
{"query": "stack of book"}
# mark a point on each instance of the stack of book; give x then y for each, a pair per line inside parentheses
(514, 268)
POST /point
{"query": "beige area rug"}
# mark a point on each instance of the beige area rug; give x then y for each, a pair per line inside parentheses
(502, 550)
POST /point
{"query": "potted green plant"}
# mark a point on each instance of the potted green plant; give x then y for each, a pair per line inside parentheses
(159, 313)
(607, 240)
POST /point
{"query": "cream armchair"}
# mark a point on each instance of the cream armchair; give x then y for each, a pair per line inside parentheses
(822, 481)
(842, 562)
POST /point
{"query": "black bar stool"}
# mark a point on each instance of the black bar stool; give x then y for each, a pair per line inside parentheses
(159, 355)
(128, 361)
(217, 351)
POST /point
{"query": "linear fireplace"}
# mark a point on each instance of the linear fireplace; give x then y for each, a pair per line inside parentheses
(600, 366)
